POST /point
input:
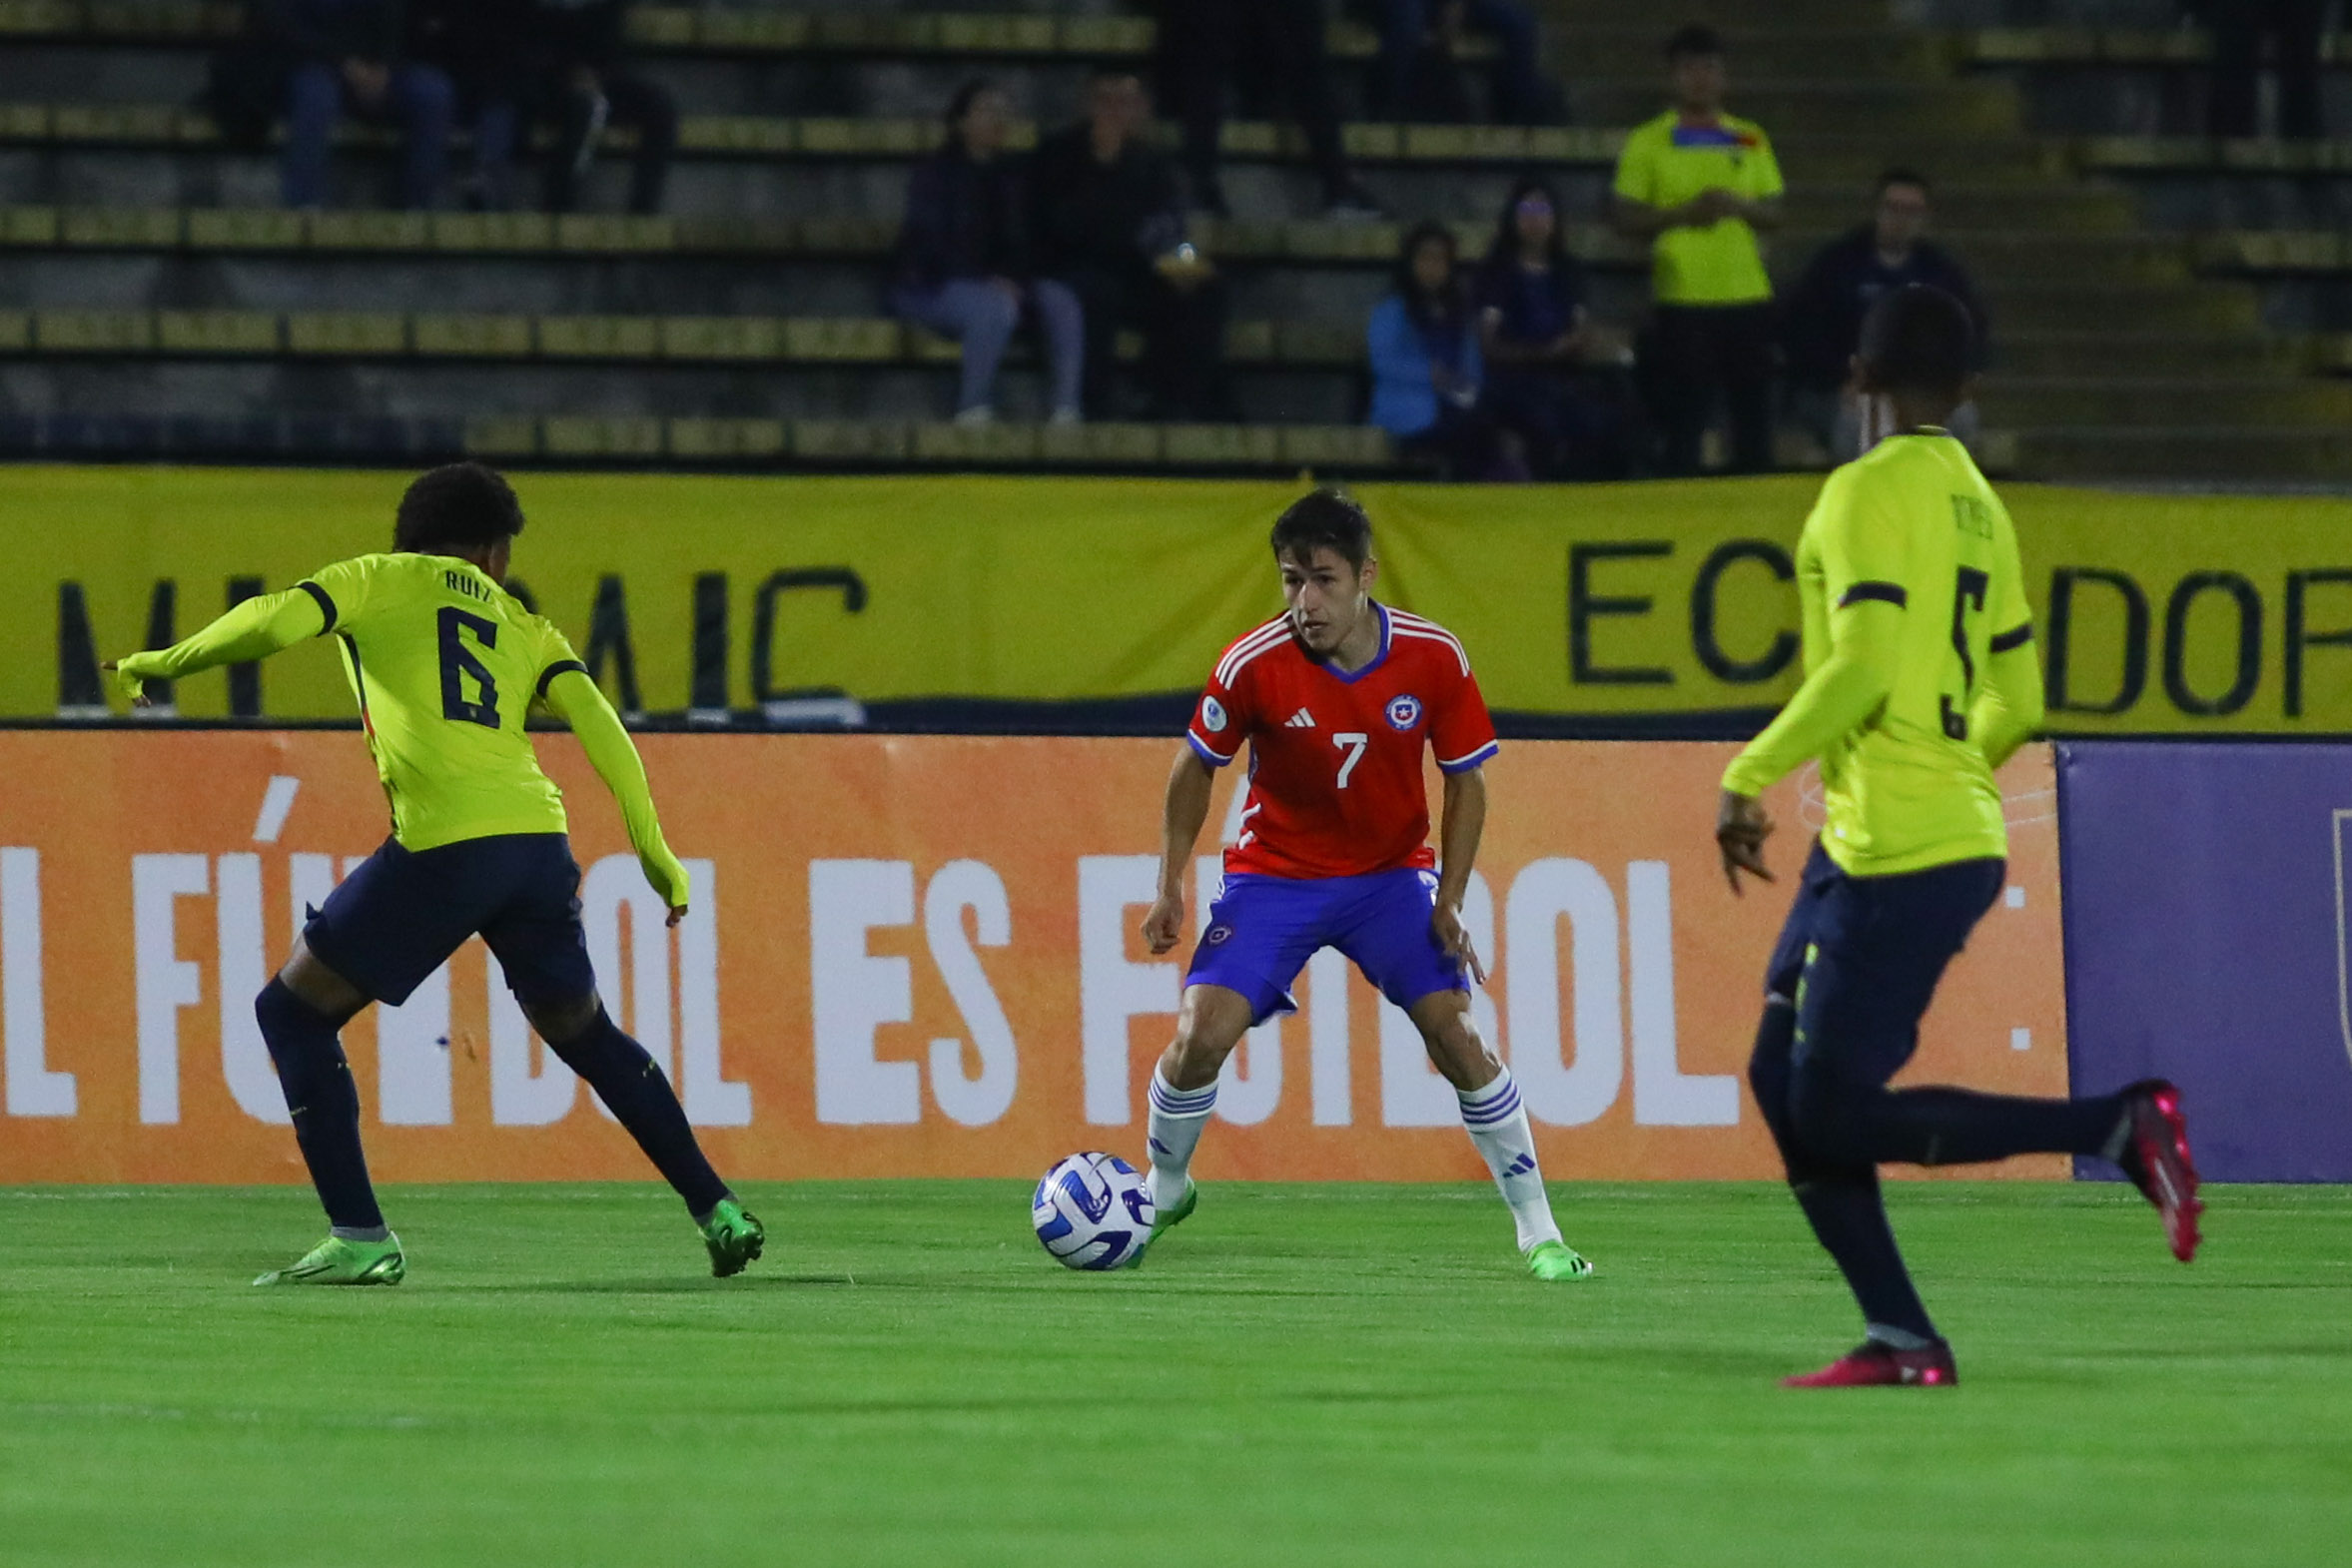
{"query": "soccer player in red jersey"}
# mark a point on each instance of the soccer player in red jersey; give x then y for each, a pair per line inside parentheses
(1337, 700)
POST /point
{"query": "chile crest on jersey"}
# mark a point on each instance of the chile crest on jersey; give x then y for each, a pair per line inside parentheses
(1404, 712)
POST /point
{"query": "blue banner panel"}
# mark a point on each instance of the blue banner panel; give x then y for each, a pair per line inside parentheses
(2206, 929)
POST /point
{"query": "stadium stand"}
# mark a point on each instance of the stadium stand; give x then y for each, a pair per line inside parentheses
(2166, 305)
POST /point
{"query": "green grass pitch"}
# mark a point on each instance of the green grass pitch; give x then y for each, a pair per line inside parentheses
(1305, 1374)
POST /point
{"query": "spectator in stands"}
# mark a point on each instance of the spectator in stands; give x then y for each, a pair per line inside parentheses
(478, 44)
(2296, 30)
(1531, 320)
(568, 61)
(1698, 184)
(346, 55)
(1110, 224)
(1823, 328)
(963, 257)
(1205, 44)
(1427, 370)
(1419, 79)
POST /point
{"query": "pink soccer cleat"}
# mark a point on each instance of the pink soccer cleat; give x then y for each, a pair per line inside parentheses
(2155, 1156)
(1875, 1365)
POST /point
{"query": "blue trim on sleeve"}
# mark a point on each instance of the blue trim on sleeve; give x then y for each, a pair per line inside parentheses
(1208, 756)
(1474, 759)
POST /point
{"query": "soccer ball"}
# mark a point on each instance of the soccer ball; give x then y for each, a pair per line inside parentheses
(1092, 1211)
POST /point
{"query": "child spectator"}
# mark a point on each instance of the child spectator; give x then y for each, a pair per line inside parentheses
(1426, 368)
(964, 259)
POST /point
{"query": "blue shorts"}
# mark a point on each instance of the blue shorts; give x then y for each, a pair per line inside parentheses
(1860, 959)
(1262, 930)
(401, 912)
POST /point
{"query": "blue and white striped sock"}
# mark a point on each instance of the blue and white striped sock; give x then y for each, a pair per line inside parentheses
(1177, 1116)
(1497, 1123)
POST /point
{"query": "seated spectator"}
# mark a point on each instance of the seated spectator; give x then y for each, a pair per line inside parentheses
(1532, 320)
(479, 44)
(1427, 370)
(963, 258)
(1110, 224)
(1823, 328)
(1205, 44)
(2295, 30)
(567, 61)
(1421, 81)
(341, 56)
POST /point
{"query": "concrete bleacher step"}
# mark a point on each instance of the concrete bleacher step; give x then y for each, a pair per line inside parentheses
(2195, 453)
(2148, 354)
(2095, 304)
(703, 442)
(693, 339)
(2275, 402)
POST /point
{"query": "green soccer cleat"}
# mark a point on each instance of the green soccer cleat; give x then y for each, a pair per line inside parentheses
(1183, 1212)
(336, 1261)
(1550, 1260)
(733, 1237)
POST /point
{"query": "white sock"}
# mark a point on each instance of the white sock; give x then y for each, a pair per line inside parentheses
(1177, 1116)
(1497, 1123)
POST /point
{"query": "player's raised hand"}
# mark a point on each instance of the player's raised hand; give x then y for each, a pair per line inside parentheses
(1445, 924)
(1741, 827)
(1163, 928)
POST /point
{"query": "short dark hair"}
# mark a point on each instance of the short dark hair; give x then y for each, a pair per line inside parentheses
(1902, 176)
(1920, 340)
(1697, 39)
(460, 504)
(1325, 519)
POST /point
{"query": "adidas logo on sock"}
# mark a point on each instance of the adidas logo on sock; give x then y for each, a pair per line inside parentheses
(1521, 1166)
(1300, 720)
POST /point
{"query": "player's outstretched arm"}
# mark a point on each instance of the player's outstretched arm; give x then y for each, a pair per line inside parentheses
(1836, 700)
(575, 699)
(1181, 816)
(2009, 708)
(253, 631)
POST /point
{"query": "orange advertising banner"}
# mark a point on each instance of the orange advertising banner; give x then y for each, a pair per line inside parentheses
(911, 956)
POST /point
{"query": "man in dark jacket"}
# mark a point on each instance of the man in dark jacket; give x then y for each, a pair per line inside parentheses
(1823, 325)
(1111, 225)
(963, 267)
(579, 55)
(346, 55)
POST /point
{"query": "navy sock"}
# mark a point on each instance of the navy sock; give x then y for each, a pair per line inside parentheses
(1850, 1218)
(1961, 1126)
(625, 1078)
(1841, 1199)
(324, 1102)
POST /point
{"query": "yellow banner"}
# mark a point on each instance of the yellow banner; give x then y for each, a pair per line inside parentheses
(1609, 602)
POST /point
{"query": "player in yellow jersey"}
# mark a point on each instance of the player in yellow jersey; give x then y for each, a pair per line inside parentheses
(1920, 682)
(445, 665)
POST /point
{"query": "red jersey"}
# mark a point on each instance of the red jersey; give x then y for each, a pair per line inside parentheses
(1335, 782)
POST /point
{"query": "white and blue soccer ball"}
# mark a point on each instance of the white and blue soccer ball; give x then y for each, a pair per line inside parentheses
(1092, 1211)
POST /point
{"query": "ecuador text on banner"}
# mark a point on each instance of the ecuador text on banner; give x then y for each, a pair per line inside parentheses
(2155, 613)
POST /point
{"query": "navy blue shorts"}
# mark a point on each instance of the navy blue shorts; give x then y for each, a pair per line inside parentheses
(1860, 959)
(1262, 930)
(399, 916)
